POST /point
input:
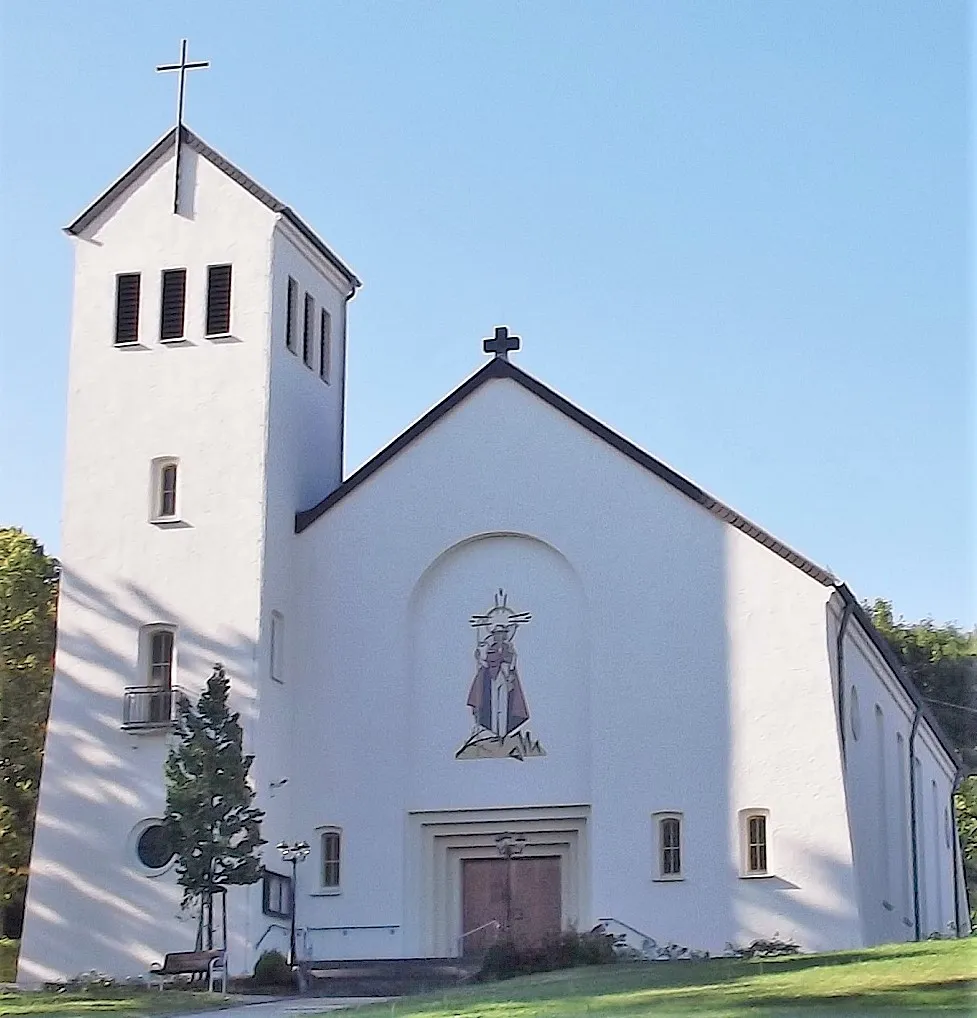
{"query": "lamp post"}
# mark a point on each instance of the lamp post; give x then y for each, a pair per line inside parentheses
(508, 846)
(294, 853)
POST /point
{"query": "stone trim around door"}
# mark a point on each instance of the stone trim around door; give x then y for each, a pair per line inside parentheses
(438, 841)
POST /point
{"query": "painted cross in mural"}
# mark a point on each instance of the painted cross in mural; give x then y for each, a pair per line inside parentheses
(496, 698)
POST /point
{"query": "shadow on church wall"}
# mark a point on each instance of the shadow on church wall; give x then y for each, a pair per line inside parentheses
(88, 899)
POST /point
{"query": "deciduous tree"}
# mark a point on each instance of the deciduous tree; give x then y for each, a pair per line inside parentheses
(28, 601)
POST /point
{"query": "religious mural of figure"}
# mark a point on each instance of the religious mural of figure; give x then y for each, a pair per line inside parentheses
(496, 697)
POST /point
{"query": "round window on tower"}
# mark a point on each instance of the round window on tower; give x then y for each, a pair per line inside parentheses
(855, 716)
(152, 846)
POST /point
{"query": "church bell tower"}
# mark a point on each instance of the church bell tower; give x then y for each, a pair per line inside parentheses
(205, 408)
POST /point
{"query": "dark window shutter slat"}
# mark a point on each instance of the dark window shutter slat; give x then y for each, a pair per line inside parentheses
(325, 345)
(290, 314)
(127, 308)
(173, 304)
(218, 300)
(307, 329)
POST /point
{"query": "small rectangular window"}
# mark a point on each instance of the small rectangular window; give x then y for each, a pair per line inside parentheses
(276, 894)
(290, 307)
(756, 844)
(161, 658)
(167, 501)
(172, 303)
(330, 859)
(127, 308)
(307, 324)
(325, 345)
(671, 847)
(218, 300)
(277, 647)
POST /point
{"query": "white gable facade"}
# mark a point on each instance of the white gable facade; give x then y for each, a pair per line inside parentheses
(511, 628)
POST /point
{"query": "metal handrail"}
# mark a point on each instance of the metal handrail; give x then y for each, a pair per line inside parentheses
(329, 929)
(611, 919)
(477, 929)
(272, 926)
(150, 706)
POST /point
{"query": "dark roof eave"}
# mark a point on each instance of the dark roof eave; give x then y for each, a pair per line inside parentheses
(236, 174)
(500, 368)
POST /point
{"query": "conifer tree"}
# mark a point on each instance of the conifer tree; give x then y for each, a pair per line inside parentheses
(214, 827)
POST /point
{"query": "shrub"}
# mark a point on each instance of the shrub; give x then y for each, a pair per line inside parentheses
(272, 969)
(560, 951)
(773, 948)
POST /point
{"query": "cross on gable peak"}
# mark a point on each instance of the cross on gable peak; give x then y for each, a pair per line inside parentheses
(501, 344)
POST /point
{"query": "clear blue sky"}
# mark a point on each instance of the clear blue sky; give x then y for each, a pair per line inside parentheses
(736, 232)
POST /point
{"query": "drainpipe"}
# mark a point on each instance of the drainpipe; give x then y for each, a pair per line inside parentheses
(956, 857)
(342, 386)
(845, 617)
(913, 833)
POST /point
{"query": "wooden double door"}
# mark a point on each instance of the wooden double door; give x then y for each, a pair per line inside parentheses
(522, 895)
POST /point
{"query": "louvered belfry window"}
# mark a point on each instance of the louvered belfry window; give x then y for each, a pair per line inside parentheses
(325, 345)
(218, 300)
(172, 304)
(290, 299)
(307, 329)
(126, 308)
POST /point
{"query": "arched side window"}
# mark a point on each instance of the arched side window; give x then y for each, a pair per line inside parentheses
(668, 828)
(754, 841)
(854, 714)
(157, 654)
(163, 490)
(330, 856)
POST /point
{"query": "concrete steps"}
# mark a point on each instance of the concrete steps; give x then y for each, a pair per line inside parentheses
(387, 977)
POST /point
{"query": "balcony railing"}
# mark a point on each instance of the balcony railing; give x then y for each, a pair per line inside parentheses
(149, 707)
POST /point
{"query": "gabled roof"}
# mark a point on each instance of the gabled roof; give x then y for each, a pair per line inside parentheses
(500, 368)
(161, 149)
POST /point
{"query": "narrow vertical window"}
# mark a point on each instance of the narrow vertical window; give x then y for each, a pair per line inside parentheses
(936, 923)
(882, 805)
(307, 324)
(164, 495)
(325, 345)
(277, 647)
(922, 856)
(756, 843)
(671, 846)
(330, 859)
(172, 304)
(127, 308)
(218, 300)
(290, 302)
(161, 658)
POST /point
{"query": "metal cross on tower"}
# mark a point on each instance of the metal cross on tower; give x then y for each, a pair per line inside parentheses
(183, 66)
(501, 344)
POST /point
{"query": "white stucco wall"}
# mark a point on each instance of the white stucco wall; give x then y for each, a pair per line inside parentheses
(672, 664)
(89, 904)
(877, 740)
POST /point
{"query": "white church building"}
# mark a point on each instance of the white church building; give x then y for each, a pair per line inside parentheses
(511, 631)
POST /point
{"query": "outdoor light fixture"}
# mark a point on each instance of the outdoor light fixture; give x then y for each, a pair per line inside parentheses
(509, 845)
(293, 852)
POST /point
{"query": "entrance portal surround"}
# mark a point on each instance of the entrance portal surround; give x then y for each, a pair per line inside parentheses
(439, 840)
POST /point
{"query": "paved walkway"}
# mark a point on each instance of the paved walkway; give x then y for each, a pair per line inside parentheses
(286, 1007)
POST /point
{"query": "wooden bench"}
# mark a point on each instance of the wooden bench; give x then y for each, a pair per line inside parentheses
(212, 964)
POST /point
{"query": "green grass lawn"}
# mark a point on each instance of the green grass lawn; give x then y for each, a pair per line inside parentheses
(110, 1001)
(895, 981)
(8, 960)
